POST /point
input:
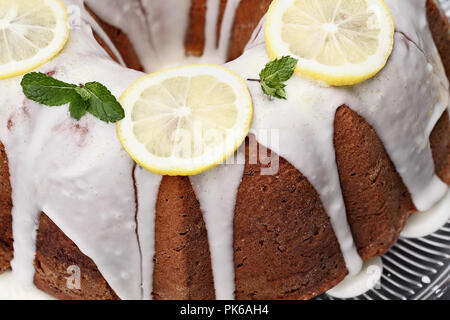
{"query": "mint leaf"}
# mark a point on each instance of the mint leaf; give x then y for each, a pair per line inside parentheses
(267, 89)
(92, 97)
(46, 90)
(84, 93)
(78, 108)
(102, 104)
(279, 69)
(281, 94)
(274, 74)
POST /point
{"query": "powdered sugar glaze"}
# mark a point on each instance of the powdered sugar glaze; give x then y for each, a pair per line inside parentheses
(75, 172)
(79, 175)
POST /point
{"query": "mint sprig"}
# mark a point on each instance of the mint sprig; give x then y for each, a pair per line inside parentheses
(92, 97)
(274, 74)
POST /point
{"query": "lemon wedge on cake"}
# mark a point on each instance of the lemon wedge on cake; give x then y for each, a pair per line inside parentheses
(184, 121)
(339, 42)
(32, 32)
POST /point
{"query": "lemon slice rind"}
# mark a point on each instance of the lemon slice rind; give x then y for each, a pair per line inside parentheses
(176, 166)
(347, 74)
(61, 35)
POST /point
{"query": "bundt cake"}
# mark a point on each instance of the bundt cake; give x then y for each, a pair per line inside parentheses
(326, 180)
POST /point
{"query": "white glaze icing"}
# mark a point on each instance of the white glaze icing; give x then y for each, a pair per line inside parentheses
(104, 37)
(83, 178)
(421, 224)
(218, 212)
(128, 15)
(93, 185)
(368, 278)
(12, 289)
(151, 27)
(147, 186)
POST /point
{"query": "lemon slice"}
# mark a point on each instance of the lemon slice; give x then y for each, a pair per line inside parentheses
(340, 42)
(186, 120)
(32, 32)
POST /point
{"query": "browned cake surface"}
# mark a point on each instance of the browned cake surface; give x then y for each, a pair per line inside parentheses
(284, 246)
(247, 17)
(55, 253)
(182, 259)
(440, 137)
(6, 238)
(376, 200)
(195, 37)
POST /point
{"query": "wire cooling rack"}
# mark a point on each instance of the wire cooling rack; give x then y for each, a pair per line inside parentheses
(414, 269)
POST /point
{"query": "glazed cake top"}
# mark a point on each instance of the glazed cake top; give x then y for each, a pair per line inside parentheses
(79, 175)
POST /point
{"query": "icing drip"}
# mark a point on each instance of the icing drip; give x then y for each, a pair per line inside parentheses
(368, 278)
(79, 175)
(421, 224)
(102, 34)
(226, 28)
(217, 206)
(167, 42)
(158, 44)
(11, 289)
(130, 18)
(212, 14)
(23, 145)
(216, 50)
(147, 186)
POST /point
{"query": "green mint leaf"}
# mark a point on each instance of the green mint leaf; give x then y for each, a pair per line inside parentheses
(274, 91)
(281, 94)
(279, 69)
(78, 107)
(46, 90)
(267, 89)
(275, 73)
(84, 93)
(93, 97)
(102, 104)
